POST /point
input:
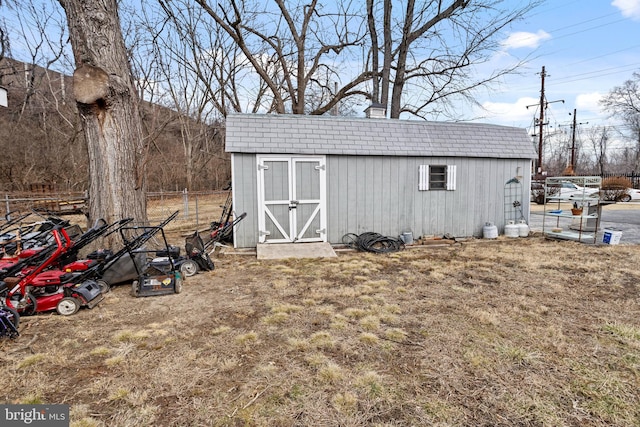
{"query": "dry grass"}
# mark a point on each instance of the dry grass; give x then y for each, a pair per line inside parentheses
(510, 333)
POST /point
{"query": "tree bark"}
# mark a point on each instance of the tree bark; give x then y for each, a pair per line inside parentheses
(109, 110)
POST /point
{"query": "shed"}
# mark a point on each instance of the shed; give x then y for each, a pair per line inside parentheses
(317, 178)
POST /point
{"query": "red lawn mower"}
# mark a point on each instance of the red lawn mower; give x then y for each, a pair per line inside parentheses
(27, 298)
(46, 287)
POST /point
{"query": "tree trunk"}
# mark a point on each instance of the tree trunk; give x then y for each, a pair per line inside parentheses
(375, 51)
(388, 53)
(108, 106)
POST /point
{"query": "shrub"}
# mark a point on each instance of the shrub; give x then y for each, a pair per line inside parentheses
(615, 188)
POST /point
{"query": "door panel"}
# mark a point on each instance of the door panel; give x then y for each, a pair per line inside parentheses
(275, 200)
(291, 199)
(277, 222)
(307, 221)
(307, 192)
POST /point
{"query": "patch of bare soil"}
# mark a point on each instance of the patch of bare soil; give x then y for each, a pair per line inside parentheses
(507, 333)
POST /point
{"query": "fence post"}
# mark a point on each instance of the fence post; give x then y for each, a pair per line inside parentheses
(197, 214)
(8, 214)
(185, 199)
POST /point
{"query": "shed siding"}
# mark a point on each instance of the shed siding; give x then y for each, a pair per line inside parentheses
(380, 193)
(245, 199)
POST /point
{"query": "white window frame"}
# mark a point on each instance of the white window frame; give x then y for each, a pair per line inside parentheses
(424, 174)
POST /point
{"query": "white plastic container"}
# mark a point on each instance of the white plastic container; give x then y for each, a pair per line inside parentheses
(489, 231)
(611, 237)
(511, 230)
(407, 237)
(523, 228)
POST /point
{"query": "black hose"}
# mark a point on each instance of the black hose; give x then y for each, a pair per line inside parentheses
(373, 242)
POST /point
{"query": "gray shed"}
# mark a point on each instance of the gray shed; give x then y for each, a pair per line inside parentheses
(317, 178)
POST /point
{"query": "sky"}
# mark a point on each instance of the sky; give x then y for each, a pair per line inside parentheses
(587, 47)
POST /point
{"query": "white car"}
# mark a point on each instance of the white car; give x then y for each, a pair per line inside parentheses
(573, 191)
(632, 194)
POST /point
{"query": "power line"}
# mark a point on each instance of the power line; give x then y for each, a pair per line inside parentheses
(587, 76)
(604, 55)
(591, 28)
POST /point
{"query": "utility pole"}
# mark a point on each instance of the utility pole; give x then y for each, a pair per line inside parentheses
(541, 123)
(541, 120)
(573, 140)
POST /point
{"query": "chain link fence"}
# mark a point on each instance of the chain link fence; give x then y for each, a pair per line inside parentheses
(197, 209)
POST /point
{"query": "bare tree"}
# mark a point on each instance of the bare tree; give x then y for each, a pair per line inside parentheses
(432, 50)
(4, 40)
(598, 137)
(108, 104)
(293, 48)
(623, 102)
(41, 142)
(194, 85)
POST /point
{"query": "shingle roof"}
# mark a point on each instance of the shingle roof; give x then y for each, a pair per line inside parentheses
(297, 134)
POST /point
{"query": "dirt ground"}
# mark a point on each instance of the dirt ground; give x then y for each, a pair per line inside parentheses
(525, 332)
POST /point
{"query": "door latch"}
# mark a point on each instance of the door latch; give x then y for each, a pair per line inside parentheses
(293, 204)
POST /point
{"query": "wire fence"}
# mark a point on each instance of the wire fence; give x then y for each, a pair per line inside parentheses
(197, 209)
(634, 177)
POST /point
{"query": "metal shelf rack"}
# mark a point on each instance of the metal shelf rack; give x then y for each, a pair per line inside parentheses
(560, 223)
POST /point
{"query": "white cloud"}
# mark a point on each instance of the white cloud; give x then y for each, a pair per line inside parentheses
(589, 102)
(511, 114)
(628, 8)
(522, 39)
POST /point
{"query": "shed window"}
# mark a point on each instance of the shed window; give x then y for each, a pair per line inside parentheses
(436, 177)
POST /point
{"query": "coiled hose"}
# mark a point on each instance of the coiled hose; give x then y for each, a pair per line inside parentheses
(372, 242)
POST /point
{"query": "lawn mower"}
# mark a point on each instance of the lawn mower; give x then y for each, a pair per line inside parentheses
(154, 278)
(21, 246)
(196, 259)
(9, 319)
(34, 235)
(222, 230)
(68, 263)
(18, 264)
(19, 295)
(197, 252)
(125, 264)
(102, 268)
(43, 288)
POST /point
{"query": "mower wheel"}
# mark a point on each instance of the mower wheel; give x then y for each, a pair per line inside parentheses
(103, 285)
(178, 285)
(29, 307)
(135, 290)
(68, 306)
(189, 268)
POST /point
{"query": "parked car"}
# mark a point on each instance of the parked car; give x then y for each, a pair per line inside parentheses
(632, 194)
(569, 190)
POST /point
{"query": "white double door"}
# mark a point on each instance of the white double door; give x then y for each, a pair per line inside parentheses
(292, 199)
